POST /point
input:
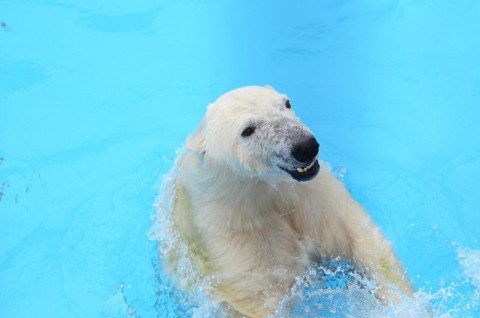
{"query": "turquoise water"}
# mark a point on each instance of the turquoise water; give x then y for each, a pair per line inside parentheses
(97, 97)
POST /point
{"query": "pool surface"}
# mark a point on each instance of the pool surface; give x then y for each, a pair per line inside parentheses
(97, 97)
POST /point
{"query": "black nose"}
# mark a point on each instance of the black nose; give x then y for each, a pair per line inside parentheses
(305, 151)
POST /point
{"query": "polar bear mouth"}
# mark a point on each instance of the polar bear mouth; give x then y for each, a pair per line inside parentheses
(304, 173)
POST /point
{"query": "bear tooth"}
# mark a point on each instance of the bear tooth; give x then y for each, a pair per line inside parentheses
(302, 170)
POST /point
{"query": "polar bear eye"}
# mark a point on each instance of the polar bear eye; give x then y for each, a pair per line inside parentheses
(288, 104)
(248, 131)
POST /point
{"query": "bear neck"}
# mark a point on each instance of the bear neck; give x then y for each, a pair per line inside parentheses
(242, 202)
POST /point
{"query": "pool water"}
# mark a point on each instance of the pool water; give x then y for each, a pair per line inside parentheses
(96, 98)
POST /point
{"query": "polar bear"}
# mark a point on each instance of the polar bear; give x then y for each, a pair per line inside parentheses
(256, 206)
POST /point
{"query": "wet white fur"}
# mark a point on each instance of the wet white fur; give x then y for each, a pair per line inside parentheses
(250, 224)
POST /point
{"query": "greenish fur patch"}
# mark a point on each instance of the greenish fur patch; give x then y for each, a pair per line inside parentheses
(183, 220)
(392, 275)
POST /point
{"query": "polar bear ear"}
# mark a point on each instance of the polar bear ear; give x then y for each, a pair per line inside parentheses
(196, 142)
(269, 87)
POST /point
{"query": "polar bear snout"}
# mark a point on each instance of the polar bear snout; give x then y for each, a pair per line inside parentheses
(305, 166)
(306, 150)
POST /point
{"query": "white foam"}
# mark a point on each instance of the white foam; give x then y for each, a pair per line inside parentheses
(186, 274)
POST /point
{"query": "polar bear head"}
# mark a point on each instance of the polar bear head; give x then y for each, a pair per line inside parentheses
(253, 132)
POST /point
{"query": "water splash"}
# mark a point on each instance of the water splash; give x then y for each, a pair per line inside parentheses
(461, 298)
(173, 298)
(117, 305)
(336, 289)
(340, 172)
(469, 260)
